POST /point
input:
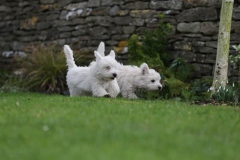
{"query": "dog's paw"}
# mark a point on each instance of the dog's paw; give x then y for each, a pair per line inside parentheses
(107, 96)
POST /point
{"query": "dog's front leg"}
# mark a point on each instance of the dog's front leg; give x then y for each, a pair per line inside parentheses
(113, 89)
(99, 91)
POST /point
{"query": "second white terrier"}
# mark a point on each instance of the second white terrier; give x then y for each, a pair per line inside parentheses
(132, 78)
(99, 79)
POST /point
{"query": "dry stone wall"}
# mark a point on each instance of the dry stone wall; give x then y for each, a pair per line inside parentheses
(84, 23)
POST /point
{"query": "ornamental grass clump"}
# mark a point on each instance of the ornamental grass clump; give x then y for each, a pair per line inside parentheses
(45, 69)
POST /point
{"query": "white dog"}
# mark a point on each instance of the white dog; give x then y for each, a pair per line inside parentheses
(99, 79)
(132, 78)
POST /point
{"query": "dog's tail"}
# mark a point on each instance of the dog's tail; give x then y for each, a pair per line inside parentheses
(69, 55)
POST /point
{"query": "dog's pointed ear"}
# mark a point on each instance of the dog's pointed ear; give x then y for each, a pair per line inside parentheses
(144, 69)
(97, 55)
(101, 49)
(112, 54)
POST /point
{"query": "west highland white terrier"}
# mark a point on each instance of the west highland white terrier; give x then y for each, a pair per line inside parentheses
(99, 79)
(132, 78)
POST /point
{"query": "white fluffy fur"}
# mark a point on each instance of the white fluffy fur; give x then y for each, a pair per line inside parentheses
(99, 79)
(132, 78)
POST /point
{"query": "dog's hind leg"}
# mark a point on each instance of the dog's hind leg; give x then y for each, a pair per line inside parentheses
(128, 93)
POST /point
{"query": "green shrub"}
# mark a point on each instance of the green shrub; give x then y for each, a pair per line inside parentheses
(45, 68)
(151, 46)
(151, 49)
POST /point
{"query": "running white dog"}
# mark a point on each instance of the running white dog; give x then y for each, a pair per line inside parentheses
(132, 78)
(99, 79)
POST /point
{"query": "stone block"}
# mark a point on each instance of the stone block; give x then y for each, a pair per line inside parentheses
(142, 13)
(188, 56)
(99, 20)
(208, 50)
(128, 29)
(197, 14)
(235, 36)
(114, 10)
(47, 1)
(236, 26)
(43, 25)
(236, 13)
(23, 4)
(5, 9)
(200, 58)
(137, 22)
(209, 28)
(106, 2)
(181, 45)
(100, 11)
(202, 70)
(169, 5)
(120, 37)
(66, 28)
(141, 5)
(122, 20)
(29, 24)
(119, 2)
(17, 46)
(194, 3)
(212, 44)
(129, 6)
(65, 35)
(215, 3)
(115, 29)
(52, 17)
(79, 33)
(189, 27)
(198, 44)
(93, 3)
(97, 31)
(101, 37)
(27, 38)
(75, 6)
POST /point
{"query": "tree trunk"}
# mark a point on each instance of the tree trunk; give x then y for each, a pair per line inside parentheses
(238, 83)
(221, 65)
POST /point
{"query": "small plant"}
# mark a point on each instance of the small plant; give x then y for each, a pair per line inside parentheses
(186, 94)
(199, 88)
(229, 93)
(10, 82)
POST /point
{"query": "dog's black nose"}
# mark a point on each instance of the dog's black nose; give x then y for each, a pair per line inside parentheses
(159, 87)
(114, 74)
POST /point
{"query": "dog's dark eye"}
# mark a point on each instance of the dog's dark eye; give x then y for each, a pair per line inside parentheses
(108, 67)
(153, 81)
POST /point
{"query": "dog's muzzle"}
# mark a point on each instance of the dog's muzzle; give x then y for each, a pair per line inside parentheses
(159, 88)
(114, 75)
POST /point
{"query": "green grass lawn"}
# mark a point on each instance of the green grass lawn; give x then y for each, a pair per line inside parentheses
(48, 127)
